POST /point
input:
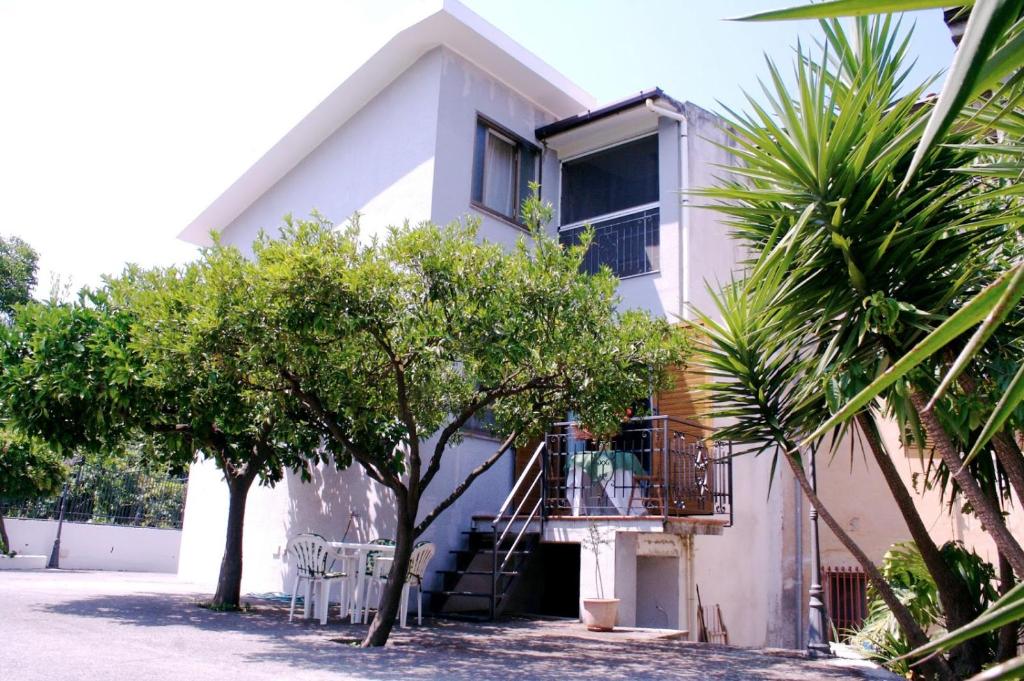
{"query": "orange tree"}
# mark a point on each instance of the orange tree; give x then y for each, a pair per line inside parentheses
(392, 346)
(158, 355)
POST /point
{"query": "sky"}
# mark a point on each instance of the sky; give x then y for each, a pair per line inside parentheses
(121, 121)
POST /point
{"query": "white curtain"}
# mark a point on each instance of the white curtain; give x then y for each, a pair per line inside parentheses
(500, 175)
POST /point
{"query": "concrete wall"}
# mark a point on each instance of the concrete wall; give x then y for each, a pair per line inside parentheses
(465, 92)
(336, 504)
(742, 570)
(85, 546)
(710, 256)
(380, 163)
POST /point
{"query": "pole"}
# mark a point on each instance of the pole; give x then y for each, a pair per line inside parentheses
(816, 642)
(54, 562)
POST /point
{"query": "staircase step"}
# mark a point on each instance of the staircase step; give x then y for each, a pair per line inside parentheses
(470, 594)
(503, 552)
(482, 616)
(506, 573)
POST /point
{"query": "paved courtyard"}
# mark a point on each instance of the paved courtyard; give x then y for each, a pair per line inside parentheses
(69, 625)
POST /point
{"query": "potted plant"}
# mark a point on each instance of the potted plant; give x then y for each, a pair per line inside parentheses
(599, 614)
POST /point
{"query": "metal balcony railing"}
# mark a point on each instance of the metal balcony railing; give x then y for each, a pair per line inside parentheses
(655, 466)
(628, 244)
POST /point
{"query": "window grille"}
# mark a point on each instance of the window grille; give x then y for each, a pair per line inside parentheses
(846, 599)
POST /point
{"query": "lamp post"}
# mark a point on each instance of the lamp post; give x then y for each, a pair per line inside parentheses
(816, 641)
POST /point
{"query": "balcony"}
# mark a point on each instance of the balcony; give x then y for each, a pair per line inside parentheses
(628, 244)
(655, 466)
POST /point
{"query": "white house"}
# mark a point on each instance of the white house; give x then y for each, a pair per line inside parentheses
(452, 118)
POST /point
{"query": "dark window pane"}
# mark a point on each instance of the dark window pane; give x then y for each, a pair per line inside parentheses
(628, 245)
(527, 173)
(611, 180)
(479, 145)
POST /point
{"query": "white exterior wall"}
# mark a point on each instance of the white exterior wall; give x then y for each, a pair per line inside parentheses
(397, 159)
(380, 163)
(467, 91)
(87, 546)
(324, 506)
(710, 255)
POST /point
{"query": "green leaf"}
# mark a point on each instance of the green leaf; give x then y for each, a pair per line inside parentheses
(985, 28)
(1009, 670)
(970, 314)
(1014, 292)
(846, 8)
(1013, 396)
(1009, 608)
(1004, 61)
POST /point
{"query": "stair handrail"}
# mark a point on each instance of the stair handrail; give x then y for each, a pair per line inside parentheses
(497, 569)
(515, 488)
(515, 514)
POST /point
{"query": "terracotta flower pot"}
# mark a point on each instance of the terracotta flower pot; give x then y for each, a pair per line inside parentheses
(600, 614)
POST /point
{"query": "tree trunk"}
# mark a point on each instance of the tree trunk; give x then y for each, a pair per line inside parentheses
(1009, 634)
(5, 542)
(229, 582)
(384, 620)
(984, 507)
(957, 605)
(936, 666)
(1006, 449)
(1012, 461)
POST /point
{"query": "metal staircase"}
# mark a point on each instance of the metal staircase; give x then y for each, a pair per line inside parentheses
(482, 585)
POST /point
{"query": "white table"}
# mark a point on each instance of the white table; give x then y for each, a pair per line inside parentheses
(354, 555)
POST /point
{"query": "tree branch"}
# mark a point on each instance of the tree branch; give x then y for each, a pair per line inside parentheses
(330, 422)
(402, 392)
(483, 400)
(462, 486)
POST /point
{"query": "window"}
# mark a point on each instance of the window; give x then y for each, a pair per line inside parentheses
(481, 423)
(609, 181)
(503, 168)
(615, 191)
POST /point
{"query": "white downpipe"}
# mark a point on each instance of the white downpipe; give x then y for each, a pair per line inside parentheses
(684, 203)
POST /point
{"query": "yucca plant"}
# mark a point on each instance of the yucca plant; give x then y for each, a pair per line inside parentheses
(981, 99)
(860, 264)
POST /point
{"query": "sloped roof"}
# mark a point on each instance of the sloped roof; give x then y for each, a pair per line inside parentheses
(440, 22)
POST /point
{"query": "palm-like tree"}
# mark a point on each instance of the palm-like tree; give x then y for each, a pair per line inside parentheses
(984, 92)
(852, 266)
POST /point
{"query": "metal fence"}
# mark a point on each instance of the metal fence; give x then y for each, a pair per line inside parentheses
(93, 494)
(629, 244)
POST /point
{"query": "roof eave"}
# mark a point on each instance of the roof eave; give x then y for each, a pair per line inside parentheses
(445, 23)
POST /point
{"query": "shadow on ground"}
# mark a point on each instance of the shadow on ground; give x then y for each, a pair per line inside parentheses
(443, 649)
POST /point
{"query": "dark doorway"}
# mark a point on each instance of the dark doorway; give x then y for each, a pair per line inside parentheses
(551, 583)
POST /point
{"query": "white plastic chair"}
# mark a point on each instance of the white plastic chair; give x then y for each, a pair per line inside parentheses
(422, 553)
(421, 556)
(311, 554)
(378, 565)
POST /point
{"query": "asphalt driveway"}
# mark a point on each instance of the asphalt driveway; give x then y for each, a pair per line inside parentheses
(68, 626)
